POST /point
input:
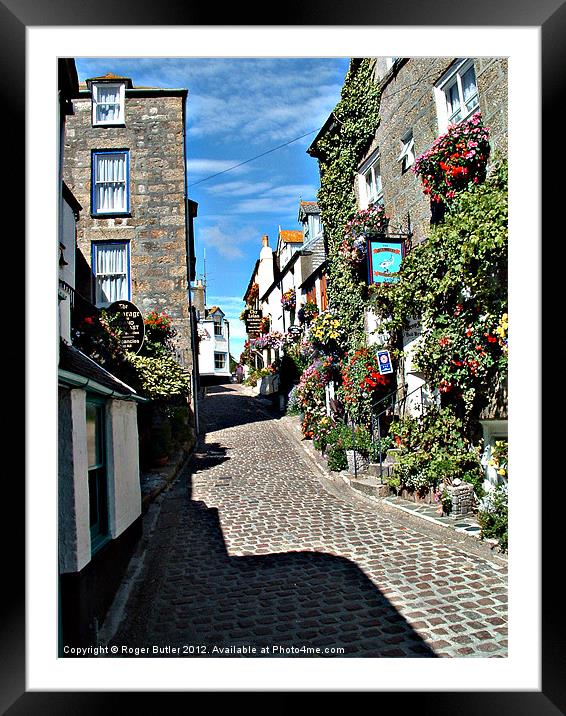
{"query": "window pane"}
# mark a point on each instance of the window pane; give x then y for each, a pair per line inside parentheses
(469, 84)
(107, 99)
(92, 437)
(110, 180)
(453, 103)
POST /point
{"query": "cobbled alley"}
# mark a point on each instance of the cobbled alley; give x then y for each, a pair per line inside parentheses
(252, 555)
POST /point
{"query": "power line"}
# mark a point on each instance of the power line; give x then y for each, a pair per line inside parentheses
(253, 158)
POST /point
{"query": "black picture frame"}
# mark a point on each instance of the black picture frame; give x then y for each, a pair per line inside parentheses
(15, 17)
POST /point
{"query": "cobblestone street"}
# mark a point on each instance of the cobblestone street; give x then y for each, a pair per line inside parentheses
(250, 549)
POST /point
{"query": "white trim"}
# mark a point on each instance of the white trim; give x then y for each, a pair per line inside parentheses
(455, 71)
(121, 116)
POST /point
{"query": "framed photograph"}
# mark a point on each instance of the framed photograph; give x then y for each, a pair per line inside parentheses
(526, 678)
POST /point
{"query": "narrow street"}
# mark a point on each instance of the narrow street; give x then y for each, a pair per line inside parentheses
(250, 549)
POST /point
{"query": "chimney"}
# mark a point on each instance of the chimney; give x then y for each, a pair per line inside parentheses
(265, 240)
(198, 297)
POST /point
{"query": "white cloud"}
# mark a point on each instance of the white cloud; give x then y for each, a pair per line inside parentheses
(211, 166)
(238, 188)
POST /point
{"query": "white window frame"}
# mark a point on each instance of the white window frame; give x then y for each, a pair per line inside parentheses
(407, 155)
(100, 246)
(369, 168)
(224, 357)
(125, 208)
(121, 115)
(453, 77)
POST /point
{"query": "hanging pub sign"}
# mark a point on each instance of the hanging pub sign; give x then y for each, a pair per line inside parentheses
(384, 362)
(253, 319)
(384, 260)
(130, 323)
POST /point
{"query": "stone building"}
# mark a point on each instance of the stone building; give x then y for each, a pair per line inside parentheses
(99, 496)
(419, 98)
(125, 159)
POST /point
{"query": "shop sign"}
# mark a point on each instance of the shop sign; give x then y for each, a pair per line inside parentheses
(131, 325)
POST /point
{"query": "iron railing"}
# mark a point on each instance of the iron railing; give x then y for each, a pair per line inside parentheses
(393, 406)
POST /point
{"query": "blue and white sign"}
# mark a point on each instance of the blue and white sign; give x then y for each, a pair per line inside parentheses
(384, 362)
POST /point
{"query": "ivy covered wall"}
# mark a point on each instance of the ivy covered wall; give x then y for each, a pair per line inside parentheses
(355, 119)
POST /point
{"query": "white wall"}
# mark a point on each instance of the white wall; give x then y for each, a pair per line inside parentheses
(124, 491)
(208, 346)
(74, 530)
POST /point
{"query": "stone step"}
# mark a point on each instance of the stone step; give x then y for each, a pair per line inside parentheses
(370, 486)
(387, 469)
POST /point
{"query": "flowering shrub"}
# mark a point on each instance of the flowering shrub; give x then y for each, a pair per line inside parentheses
(307, 312)
(326, 329)
(289, 300)
(455, 160)
(254, 292)
(498, 460)
(159, 331)
(501, 332)
(362, 383)
(310, 393)
(269, 340)
(434, 450)
(321, 430)
(493, 515)
(462, 354)
(353, 251)
(264, 324)
(367, 222)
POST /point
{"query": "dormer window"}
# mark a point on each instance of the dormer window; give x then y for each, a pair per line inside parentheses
(108, 101)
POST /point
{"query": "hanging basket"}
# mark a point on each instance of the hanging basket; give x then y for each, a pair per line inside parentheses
(356, 462)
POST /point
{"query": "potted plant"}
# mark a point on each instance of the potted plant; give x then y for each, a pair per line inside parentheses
(356, 442)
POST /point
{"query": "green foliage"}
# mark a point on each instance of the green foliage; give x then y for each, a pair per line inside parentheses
(356, 119)
(456, 283)
(161, 377)
(344, 436)
(493, 516)
(435, 450)
(336, 458)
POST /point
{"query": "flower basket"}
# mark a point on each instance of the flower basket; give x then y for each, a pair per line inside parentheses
(289, 300)
(356, 462)
(455, 160)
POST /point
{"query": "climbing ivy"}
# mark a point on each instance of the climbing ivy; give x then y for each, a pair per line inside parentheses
(339, 151)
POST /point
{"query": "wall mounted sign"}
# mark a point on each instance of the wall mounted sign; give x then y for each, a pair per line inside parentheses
(253, 319)
(131, 325)
(384, 362)
(384, 260)
(295, 330)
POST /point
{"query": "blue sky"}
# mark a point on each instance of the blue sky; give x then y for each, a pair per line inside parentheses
(239, 108)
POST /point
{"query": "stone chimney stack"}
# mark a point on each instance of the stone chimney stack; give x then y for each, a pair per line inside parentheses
(265, 240)
(198, 297)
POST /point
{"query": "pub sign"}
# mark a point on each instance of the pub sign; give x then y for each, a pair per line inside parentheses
(384, 260)
(130, 323)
